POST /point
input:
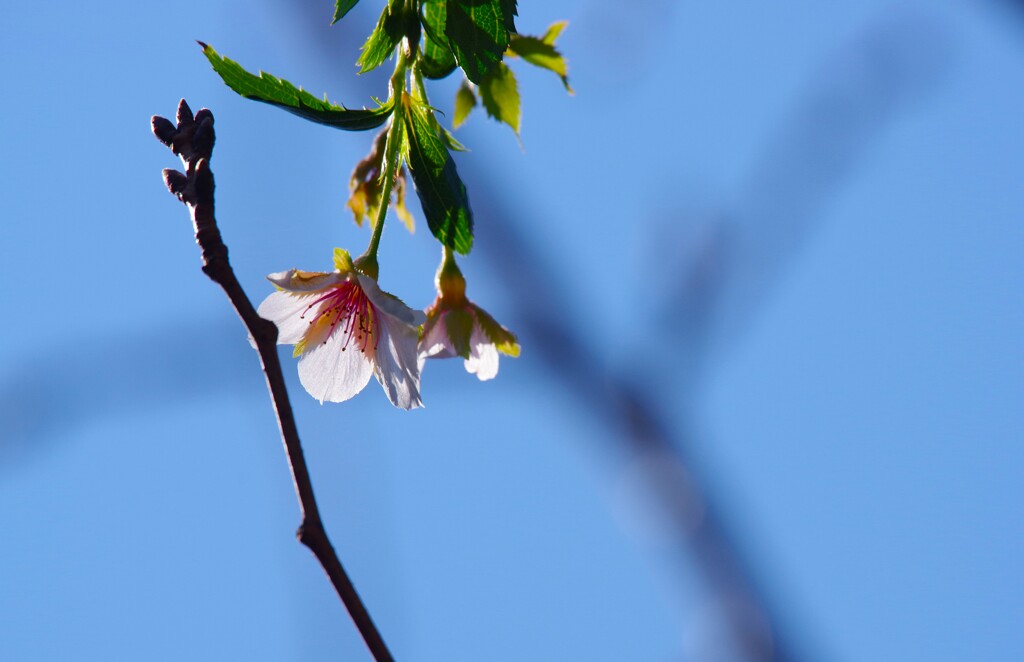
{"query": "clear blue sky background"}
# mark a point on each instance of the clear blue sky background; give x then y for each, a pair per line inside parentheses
(841, 181)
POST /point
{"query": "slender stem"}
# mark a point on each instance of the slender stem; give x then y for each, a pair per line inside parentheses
(192, 140)
(448, 258)
(392, 156)
(421, 86)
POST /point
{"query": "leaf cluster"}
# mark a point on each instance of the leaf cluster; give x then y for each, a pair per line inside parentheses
(433, 38)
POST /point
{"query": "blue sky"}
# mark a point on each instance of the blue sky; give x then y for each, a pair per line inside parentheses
(795, 228)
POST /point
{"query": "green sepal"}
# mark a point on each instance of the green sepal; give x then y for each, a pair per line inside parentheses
(438, 61)
(478, 33)
(500, 96)
(343, 261)
(458, 324)
(541, 51)
(504, 340)
(382, 41)
(465, 101)
(281, 93)
(442, 194)
(342, 7)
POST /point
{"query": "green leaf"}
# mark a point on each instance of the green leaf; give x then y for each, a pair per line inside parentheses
(442, 193)
(500, 96)
(281, 93)
(382, 41)
(438, 60)
(541, 51)
(510, 11)
(342, 7)
(478, 33)
(465, 100)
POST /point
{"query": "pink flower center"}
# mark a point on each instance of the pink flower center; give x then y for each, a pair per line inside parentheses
(345, 304)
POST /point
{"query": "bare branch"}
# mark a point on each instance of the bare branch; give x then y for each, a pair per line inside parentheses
(192, 139)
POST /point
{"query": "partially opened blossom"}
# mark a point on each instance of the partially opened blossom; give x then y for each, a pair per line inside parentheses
(456, 326)
(345, 328)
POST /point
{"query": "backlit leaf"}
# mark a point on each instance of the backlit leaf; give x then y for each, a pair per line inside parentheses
(382, 41)
(465, 100)
(478, 33)
(342, 7)
(438, 60)
(442, 193)
(500, 96)
(281, 93)
(541, 51)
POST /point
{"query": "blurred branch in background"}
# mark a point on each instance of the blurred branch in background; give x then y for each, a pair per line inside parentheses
(43, 398)
(844, 111)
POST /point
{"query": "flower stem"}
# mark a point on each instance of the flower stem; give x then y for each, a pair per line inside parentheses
(367, 262)
(451, 285)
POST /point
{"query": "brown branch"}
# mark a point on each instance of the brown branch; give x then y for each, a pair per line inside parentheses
(192, 139)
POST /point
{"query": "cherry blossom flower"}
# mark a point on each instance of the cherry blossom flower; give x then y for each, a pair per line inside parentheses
(345, 328)
(456, 326)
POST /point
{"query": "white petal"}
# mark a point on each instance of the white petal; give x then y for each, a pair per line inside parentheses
(390, 304)
(284, 309)
(435, 343)
(306, 282)
(332, 374)
(397, 369)
(483, 355)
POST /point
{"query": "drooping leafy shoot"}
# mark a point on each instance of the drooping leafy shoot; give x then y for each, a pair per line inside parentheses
(278, 92)
(432, 38)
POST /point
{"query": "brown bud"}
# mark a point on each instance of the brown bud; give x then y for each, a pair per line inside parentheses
(163, 129)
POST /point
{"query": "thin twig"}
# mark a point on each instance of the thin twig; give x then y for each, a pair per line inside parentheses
(192, 139)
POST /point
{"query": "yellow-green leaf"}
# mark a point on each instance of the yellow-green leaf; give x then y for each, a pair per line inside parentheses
(541, 51)
(500, 96)
(465, 100)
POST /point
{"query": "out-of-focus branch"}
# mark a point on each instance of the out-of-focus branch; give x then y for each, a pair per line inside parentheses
(643, 432)
(192, 139)
(888, 65)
